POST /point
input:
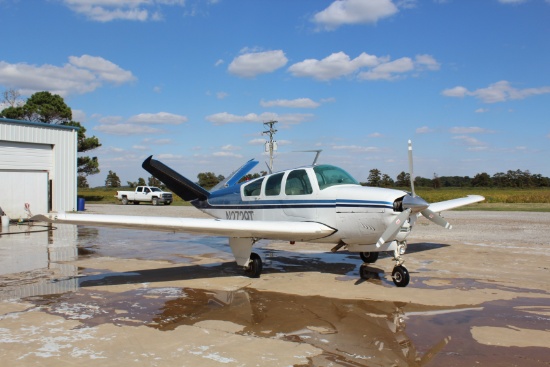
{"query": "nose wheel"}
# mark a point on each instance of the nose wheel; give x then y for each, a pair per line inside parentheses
(400, 276)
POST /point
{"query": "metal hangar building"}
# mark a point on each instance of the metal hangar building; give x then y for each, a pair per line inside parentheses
(38, 171)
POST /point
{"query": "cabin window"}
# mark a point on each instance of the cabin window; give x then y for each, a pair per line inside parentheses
(273, 184)
(253, 188)
(139, 189)
(328, 176)
(297, 183)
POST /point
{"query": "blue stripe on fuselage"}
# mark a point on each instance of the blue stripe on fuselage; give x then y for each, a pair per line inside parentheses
(230, 198)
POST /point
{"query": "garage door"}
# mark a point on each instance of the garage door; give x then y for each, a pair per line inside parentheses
(18, 188)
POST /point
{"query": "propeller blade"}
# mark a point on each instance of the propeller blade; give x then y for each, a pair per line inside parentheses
(437, 219)
(394, 227)
(411, 173)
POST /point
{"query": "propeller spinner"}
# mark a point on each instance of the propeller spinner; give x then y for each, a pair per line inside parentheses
(411, 204)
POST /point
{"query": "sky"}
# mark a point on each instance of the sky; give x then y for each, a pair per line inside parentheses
(191, 82)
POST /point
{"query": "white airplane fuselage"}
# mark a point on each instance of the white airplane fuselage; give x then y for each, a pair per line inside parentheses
(359, 213)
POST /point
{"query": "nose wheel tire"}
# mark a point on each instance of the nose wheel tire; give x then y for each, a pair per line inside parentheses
(400, 276)
(369, 257)
(254, 267)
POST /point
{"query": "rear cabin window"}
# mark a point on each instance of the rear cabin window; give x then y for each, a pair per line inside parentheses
(273, 184)
(328, 176)
(253, 188)
(297, 183)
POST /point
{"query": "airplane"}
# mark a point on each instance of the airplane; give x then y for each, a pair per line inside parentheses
(318, 203)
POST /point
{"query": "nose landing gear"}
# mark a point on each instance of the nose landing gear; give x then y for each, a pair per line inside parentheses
(400, 274)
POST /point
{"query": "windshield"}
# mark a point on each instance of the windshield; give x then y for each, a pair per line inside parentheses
(328, 176)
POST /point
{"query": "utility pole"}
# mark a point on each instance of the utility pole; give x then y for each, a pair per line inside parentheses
(271, 145)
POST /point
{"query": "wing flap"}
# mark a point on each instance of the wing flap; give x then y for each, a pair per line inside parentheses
(288, 231)
(455, 203)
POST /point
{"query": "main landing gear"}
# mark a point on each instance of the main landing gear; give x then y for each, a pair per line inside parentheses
(399, 274)
(254, 267)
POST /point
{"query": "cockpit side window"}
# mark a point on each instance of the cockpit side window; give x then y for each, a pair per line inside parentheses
(297, 183)
(273, 184)
(253, 188)
(328, 176)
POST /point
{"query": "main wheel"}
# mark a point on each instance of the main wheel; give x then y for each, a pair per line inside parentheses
(369, 257)
(155, 201)
(254, 268)
(400, 276)
(124, 200)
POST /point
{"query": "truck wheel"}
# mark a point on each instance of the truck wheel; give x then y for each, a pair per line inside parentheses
(167, 202)
(155, 201)
(124, 200)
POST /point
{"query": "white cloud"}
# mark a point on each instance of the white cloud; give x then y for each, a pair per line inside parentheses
(257, 141)
(252, 64)
(340, 64)
(164, 118)
(222, 95)
(139, 125)
(230, 148)
(333, 66)
(469, 130)
(481, 110)
(126, 129)
(293, 103)
(223, 118)
(354, 12)
(472, 143)
(388, 70)
(109, 10)
(81, 75)
(375, 135)
(511, 1)
(424, 130)
(226, 154)
(497, 92)
(356, 148)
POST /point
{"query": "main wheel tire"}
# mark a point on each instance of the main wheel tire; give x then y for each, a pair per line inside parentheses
(155, 201)
(369, 257)
(124, 200)
(400, 276)
(254, 268)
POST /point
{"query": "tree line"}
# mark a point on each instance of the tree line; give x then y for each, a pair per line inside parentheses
(510, 179)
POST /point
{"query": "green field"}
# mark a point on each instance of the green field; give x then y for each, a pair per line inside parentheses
(496, 199)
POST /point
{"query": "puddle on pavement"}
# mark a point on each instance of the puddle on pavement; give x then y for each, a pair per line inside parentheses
(36, 266)
(350, 332)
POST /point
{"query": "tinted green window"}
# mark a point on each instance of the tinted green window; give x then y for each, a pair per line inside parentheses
(330, 176)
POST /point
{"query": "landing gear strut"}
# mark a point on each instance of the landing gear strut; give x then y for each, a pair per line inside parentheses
(254, 267)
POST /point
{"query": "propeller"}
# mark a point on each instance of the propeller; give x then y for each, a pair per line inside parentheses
(412, 204)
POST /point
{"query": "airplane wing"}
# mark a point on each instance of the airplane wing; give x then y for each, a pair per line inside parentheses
(284, 230)
(455, 203)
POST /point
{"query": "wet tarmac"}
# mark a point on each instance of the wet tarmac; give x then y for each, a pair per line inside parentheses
(43, 270)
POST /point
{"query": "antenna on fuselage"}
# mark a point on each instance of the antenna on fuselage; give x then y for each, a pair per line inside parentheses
(318, 151)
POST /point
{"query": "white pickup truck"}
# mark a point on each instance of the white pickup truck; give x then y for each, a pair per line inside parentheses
(145, 193)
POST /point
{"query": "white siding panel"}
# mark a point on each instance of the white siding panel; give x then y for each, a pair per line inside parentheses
(62, 160)
(18, 188)
(25, 156)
